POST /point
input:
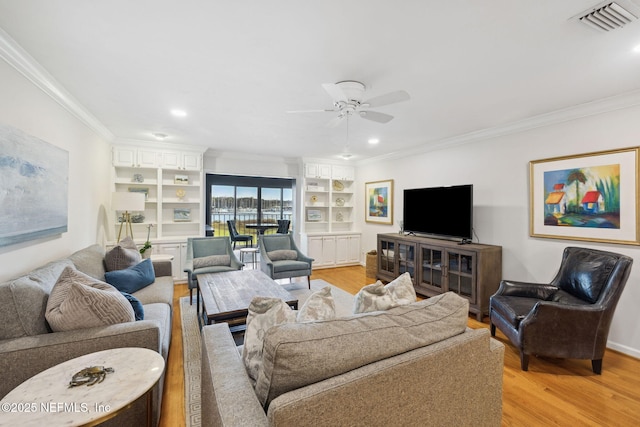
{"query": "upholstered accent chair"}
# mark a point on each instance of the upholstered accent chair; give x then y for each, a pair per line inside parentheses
(283, 226)
(208, 255)
(568, 318)
(236, 237)
(280, 258)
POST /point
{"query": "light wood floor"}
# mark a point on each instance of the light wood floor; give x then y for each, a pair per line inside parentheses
(552, 392)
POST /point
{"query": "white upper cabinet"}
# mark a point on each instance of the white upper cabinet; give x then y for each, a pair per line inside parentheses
(181, 161)
(135, 157)
(345, 173)
(317, 170)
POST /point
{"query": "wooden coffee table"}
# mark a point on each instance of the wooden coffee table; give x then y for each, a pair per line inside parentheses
(226, 296)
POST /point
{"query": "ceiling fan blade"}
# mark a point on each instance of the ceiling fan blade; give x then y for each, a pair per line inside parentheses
(312, 111)
(376, 116)
(335, 121)
(335, 92)
(389, 98)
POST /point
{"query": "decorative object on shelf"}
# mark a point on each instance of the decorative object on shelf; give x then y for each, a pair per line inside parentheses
(339, 217)
(588, 197)
(143, 190)
(127, 202)
(313, 200)
(182, 214)
(401, 224)
(90, 376)
(31, 171)
(181, 179)
(146, 249)
(312, 186)
(180, 193)
(314, 215)
(138, 177)
(379, 202)
(338, 186)
(340, 202)
(137, 218)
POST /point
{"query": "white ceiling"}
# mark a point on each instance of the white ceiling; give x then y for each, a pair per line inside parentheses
(237, 67)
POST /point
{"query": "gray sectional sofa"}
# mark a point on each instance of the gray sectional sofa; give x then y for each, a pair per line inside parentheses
(27, 345)
(413, 365)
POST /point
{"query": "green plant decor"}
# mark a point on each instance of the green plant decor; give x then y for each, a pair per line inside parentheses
(147, 244)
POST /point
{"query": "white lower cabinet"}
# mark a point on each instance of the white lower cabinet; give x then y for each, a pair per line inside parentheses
(331, 250)
(179, 253)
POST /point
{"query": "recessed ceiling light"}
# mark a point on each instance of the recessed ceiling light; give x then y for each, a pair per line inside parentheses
(179, 113)
(637, 49)
(373, 141)
(160, 136)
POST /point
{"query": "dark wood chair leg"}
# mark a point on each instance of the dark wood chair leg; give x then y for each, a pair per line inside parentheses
(309, 281)
(191, 296)
(524, 361)
(492, 327)
(596, 365)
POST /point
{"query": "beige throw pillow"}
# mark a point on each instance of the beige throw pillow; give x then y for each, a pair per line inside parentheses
(211, 261)
(378, 297)
(78, 301)
(123, 255)
(319, 306)
(282, 255)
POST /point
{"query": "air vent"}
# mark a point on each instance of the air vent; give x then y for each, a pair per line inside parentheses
(607, 17)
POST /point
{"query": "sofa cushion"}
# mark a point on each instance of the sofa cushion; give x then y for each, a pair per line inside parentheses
(90, 261)
(79, 301)
(211, 261)
(282, 254)
(377, 297)
(298, 354)
(124, 255)
(23, 301)
(290, 265)
(132, 279)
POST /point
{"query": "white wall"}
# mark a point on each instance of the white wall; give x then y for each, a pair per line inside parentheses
(498, 169)
(24, 106)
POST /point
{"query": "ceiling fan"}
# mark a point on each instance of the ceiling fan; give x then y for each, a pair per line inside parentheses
(347, 101)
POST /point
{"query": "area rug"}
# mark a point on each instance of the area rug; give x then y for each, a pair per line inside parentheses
(191, 340)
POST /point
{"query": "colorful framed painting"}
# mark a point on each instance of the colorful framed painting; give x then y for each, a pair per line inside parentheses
(379, 202)
(589, 197)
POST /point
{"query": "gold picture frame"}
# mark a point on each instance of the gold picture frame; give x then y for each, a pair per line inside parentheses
(379, 202)
(588, 197)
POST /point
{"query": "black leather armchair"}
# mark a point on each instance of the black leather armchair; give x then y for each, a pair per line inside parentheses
(568, 318)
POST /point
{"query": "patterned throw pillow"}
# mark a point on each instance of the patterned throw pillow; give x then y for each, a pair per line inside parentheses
(211, 261)
(265, 313)
(282, 255)
(319, 306)
(78, 301)
(378, 297)
(123, 255)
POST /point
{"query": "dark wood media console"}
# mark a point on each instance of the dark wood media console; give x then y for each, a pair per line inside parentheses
(471, 270)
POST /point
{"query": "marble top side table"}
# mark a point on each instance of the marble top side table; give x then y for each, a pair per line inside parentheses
(46, 399)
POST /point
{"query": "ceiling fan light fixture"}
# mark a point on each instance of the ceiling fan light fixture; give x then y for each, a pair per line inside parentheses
(346, 156)
(160, 136)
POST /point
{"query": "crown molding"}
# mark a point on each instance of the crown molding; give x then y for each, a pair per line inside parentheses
(26, 65)
(600, 106)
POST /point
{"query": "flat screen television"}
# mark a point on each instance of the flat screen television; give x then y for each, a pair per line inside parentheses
(440, 211)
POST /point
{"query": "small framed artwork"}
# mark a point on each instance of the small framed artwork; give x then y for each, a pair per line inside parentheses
(181, 215)
(379, 202)
(181, 179)
(143, 190)
(589, 197)
(314, 215)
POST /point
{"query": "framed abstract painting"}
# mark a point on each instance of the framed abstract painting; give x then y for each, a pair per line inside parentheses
(379, 202)
(589, 197)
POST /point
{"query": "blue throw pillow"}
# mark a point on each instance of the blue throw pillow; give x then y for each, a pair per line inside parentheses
(132, 279)
(136, 305)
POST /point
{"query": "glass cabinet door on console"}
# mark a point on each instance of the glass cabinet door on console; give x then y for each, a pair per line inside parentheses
(431, 273)
(386, 258)
(407, 259)
(461, 274)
